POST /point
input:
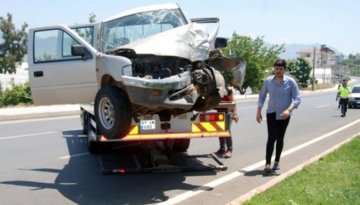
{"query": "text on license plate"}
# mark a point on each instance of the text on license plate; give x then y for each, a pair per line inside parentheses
(147, 124)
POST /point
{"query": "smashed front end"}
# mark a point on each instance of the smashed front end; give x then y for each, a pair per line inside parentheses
(175, 65)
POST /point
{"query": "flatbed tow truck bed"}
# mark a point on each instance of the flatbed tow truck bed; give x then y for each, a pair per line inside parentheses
(156, 161)
(146, 156)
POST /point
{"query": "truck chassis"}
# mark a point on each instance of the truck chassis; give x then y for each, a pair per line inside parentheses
(157, 154)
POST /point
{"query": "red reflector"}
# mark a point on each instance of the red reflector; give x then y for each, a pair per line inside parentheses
(202, 117)
(210, 117)
(121, 170)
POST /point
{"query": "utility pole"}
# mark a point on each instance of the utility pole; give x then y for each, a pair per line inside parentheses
(313, 73)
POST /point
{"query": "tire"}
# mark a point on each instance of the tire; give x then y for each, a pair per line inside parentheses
(112, 112)
(181, 145)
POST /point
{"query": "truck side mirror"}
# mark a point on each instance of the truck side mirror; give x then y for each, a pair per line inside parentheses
(220, 42)
(80, 50)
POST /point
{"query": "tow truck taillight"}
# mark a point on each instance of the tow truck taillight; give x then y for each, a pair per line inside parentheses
(211, 117)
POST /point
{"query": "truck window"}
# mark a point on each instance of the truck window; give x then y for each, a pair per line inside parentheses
(87, 33)
(53, 45)
(122, 35)
(128, 29)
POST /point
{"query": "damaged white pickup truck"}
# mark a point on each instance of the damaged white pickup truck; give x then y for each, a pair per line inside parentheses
(143, 62)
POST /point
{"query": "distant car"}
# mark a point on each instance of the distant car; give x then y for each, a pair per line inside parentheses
(354, 100)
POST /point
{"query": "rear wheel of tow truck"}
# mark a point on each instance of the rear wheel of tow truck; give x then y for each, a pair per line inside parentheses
(181, 145)
(112, 112)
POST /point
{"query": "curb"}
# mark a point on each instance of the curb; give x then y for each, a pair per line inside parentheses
(302, 92)
(247, 196)
(21, 113)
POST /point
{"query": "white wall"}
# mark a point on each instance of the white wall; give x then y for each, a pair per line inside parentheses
(20, 77)
(322, 74)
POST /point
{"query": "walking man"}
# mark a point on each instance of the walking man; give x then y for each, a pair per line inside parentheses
(284, 97)
(344, 92)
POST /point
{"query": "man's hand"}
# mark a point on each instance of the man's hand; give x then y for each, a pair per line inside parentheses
(235, 117)
(258, 117)
(286, 114)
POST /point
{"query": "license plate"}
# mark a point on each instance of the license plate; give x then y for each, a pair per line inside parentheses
(147, 124)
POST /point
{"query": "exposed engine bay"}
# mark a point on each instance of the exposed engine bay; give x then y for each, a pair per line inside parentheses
(206, 84)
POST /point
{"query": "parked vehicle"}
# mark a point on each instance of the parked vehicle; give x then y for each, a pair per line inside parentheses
(354, 100)
(147, 68)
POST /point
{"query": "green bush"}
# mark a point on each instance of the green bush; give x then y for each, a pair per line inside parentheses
(17, 94)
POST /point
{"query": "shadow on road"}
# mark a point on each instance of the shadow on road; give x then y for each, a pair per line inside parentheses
(81, 181)
(254, 173)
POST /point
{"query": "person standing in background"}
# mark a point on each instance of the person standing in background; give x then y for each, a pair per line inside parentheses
(284, 97)
(343, 93)
(226, 144)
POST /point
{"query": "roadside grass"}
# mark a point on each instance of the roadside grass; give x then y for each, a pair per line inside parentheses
(334, 179)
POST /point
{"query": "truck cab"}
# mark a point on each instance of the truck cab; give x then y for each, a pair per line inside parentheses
(56, 75)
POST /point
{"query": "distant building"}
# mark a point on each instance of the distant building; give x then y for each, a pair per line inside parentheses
(325, 62)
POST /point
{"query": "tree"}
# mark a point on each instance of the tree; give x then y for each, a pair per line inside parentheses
(352, 64)
(301, 71)
(259, 58)
(14, 46)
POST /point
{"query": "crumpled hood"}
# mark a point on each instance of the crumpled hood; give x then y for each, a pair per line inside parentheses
(190, 41)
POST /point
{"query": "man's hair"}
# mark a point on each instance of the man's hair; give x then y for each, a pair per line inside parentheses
(280, 62)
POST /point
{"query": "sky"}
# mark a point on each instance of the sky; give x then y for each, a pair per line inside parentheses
(330, 22)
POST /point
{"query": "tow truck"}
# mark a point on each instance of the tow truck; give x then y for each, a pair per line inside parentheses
(163, 144)
(155, 79)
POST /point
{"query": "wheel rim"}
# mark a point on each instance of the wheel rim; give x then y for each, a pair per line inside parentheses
(106, 112)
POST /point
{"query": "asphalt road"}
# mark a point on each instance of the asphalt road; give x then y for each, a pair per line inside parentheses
(45, 161)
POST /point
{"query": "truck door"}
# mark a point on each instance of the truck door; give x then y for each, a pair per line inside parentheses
(55, 75)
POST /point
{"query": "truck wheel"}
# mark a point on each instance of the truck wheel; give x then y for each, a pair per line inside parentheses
(112, 112)
(181, 145)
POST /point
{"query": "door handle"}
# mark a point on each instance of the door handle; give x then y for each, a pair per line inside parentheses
(38, 74)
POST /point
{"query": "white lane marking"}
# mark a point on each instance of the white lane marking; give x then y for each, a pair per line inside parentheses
(74, 155)
(37, 120)
(26, 135)
(322, 106)
(44, 133)
(181, 197)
